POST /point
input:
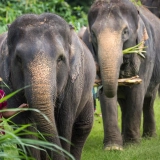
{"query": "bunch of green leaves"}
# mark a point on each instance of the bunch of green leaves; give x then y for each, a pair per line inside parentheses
(136, 2)
(83, 3)
(11, 9)
(138, 49)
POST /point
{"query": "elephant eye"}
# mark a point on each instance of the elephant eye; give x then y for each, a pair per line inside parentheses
(60, 59)
(19, 59)
(125, 34)
(125, 31)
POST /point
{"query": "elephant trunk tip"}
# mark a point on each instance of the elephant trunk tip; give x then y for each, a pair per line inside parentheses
(110, 91)
(110, 94)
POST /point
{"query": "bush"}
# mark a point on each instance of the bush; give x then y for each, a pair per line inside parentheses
(11, 9)
(14, 133)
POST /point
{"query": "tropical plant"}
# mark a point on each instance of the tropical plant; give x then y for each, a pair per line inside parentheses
(11, 9)
(11, 139)
(136, 2)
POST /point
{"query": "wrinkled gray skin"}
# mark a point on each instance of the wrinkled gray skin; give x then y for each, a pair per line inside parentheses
(153, 6)
(45, 52)
(113, 26)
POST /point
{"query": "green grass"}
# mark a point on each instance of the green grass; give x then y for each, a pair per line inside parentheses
(148, 149)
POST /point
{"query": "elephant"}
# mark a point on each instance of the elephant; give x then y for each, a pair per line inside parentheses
(153, 6)
(46, 54)
(2, 38)
(114, 26)
(81, 31)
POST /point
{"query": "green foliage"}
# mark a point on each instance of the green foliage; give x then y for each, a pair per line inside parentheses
(83, 3)
(11, 9)
(11, 139)
(11, 95)
(14, 133)
(148, 149)
(136, 2)
(138, 49)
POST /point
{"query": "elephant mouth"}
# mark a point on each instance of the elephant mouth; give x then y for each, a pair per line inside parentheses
(128, 70)
(126, 74)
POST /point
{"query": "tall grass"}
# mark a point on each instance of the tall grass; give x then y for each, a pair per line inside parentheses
(148, 149)
(13, 137)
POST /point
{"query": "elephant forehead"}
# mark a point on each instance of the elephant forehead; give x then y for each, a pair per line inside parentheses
(104, 10)
(115, 22)
(41, 46)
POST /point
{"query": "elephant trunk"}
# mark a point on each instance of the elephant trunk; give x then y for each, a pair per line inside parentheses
(110, 58)
(44, 101)
(41, 95)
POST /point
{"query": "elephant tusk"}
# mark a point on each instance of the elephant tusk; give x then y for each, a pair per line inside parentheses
(121, 82)
(129, 81)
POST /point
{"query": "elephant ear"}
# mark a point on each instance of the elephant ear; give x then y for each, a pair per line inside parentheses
(87, 40)
(4, 60)
(76, 55)
(142, 34)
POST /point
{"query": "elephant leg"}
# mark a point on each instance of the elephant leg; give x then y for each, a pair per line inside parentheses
(122, 103)
(24, 118)
(44, 156)
(32, 151)
(81, 129)
(134, 104)
(112, 136)
(32, 129)
(149, 128)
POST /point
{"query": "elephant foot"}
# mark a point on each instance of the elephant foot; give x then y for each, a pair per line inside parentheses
(113, 147)
(149, 134)
(131, 142)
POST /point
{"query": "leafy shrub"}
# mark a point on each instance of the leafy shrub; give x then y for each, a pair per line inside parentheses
(13, 133)
(12, 139)
(82, 3)
(11, 9)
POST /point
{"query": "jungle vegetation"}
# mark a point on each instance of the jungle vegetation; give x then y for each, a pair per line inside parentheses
(74, 12)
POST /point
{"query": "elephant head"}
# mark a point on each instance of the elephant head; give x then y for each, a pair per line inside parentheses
(115, 25)
(44, 52)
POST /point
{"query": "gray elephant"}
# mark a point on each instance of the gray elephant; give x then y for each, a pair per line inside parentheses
(2, 38)
(153, 6)
(114, 26)
(81, 31)
(44, 52)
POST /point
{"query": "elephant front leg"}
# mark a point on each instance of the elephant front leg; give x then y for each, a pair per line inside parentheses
(132, 120)
(149, 128)
(81, 129)
(122, 103)
(31, 152)
(112, 136)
